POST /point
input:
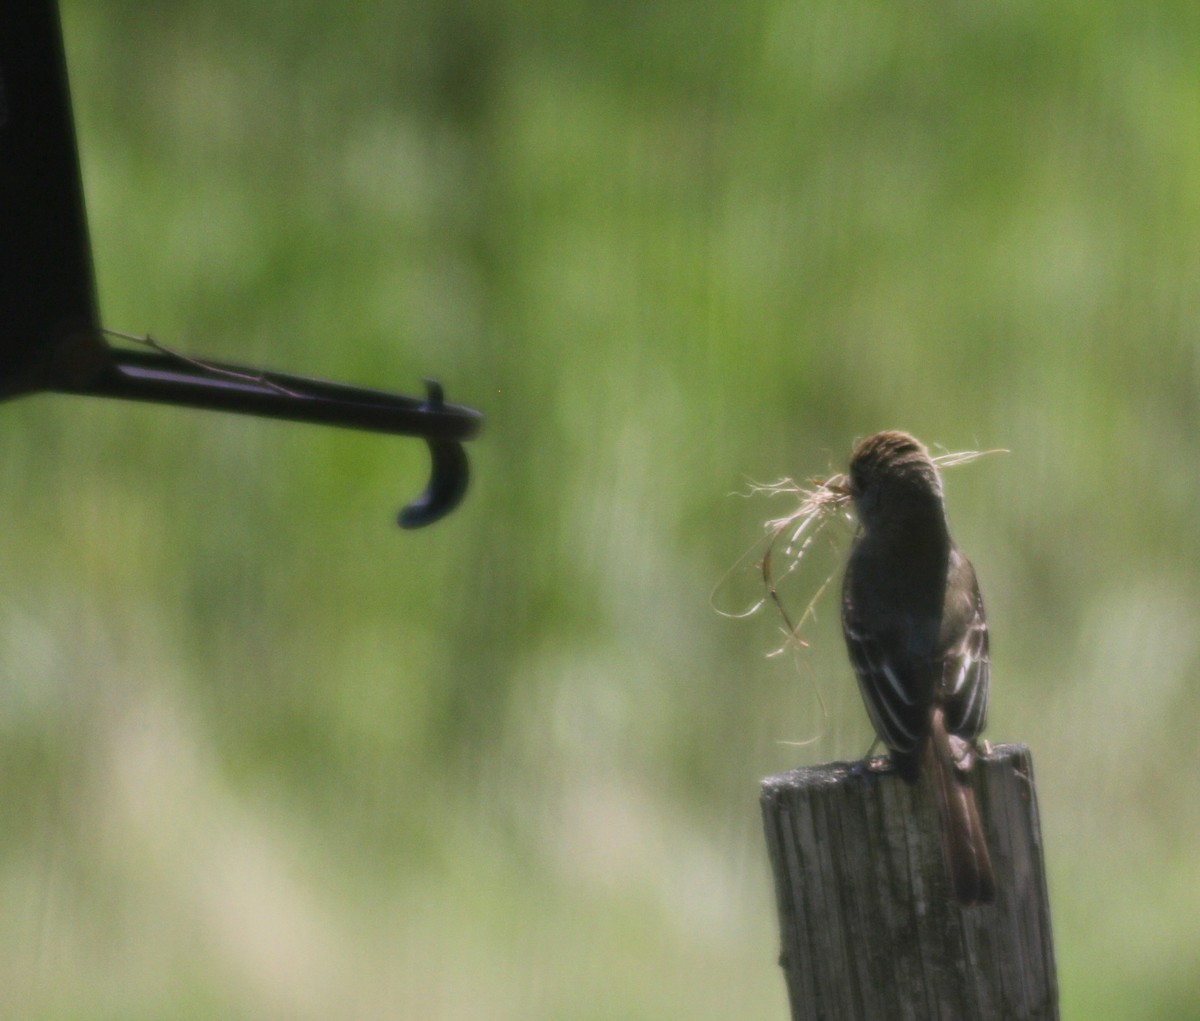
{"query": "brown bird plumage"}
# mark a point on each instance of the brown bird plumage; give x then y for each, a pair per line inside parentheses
(917, 635)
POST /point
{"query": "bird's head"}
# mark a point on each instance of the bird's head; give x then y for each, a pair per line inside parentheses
(893, 480)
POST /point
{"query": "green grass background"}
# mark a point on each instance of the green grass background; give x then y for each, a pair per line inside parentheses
(262, 755)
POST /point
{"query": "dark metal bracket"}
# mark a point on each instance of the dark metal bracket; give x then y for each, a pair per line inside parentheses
(50, 338)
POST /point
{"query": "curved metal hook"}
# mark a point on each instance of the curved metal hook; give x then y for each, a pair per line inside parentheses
(448, 475)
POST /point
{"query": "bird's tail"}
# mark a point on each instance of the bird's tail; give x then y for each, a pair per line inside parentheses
(963, 844)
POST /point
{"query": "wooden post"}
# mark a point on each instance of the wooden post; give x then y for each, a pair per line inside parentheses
(871, 930)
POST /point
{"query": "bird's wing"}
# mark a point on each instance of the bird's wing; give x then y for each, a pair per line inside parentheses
(966, 666)
(890, 679)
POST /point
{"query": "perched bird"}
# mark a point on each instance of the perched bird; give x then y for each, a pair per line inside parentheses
(915, 628)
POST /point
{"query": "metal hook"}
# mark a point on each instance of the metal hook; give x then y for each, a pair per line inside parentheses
(84, 364)
(448, 475)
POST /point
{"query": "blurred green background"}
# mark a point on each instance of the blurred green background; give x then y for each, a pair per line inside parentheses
(263, 755)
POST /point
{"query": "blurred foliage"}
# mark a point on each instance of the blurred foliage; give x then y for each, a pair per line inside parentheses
(265, 756)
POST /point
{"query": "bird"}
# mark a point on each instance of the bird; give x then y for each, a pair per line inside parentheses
(917, 637)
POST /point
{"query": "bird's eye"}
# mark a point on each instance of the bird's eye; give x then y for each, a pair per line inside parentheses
(865, 494)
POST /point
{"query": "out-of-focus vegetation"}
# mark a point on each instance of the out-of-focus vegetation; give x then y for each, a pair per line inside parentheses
(264, 756)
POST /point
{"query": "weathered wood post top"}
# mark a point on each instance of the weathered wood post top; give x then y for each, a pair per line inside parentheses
(871, 930)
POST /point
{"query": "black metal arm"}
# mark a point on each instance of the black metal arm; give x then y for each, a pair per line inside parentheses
(50, 338)
(86, 365)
